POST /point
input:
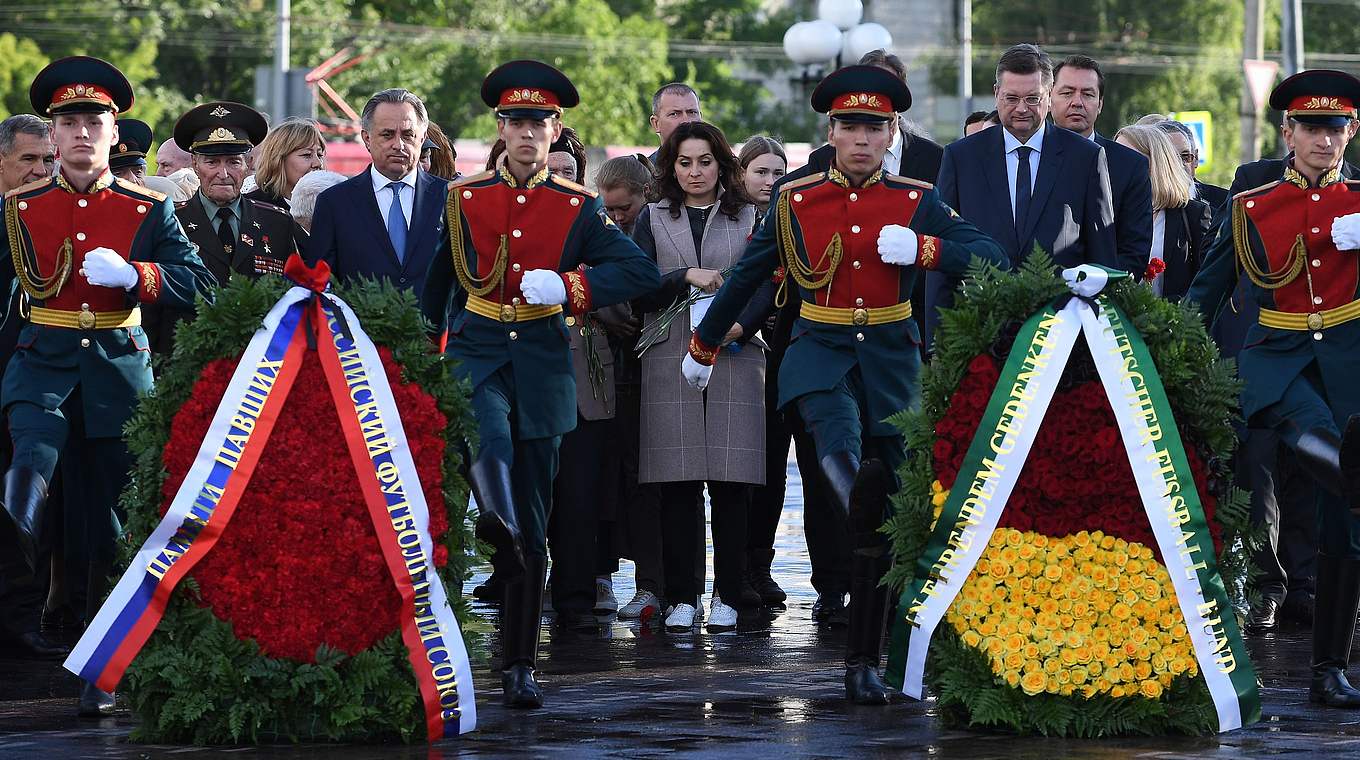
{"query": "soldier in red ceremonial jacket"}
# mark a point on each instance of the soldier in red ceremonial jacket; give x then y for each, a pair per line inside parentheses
(87, 251)
(851, 241)
(1298, 239)
(515, 242)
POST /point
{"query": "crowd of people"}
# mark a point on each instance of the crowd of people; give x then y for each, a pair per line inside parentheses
(703, 334)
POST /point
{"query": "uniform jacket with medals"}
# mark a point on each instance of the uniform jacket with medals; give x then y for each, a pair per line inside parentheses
(822, 234)
(267, 237)
(497, 230)
(49, 227)
(1280, 236)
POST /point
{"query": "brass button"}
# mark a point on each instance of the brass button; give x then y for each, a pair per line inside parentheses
(913, 195)
(521, 199)
(583, 332)
(84, 342)
(85, 306)
(515, 233)
(1251, 204)
(1317, 336)
(80, 236)
(854, 196)
(854, 228)
(859, 337)
(859, 301)
(507, 313)
(797, 197)
(467, 193)
(855, 264)
(1314, 321)
(1317, 197)
(141, 209)
(575, 201)
(514, 335)
(860, 317)
(514, 267)
(515, 301)
(1317, 262)
(1317, 299)
(82, 203)
(571, 321)
(23, 205)
(1316, 230)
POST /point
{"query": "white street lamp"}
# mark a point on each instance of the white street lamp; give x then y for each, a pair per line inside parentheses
(845, 14)
(864, 38)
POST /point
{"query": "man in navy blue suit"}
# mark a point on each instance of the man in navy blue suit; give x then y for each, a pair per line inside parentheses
(385, 222)
(1078, 97)
(1030, 182)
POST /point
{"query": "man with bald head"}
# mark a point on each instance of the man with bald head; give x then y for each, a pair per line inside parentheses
(170, 158)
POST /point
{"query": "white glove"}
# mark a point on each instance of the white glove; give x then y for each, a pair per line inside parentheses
(543, 287)
(1085, 280)
(1346, 232)
(897, 245)
(104, 267)
(695, 373)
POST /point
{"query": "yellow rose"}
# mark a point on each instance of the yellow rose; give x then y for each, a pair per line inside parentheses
(938, 500)
(1079, 676)
(972, 638)
(1033, 682)
(1014, 661)
(1013, 680)
(1053, 573)
(1117, 691)
(1142, 670)
(1015, 642)
(1121, 611)
(1031, 651)
(1106, 542)
(1014, 537)
(1081, 538)
(1150, 689)
(1052, 666)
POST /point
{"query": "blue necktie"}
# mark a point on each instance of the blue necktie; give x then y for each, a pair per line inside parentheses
(396, 221)
(1022, 188)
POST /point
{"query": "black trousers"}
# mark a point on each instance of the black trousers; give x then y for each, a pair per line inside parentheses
(1282, 499)
(639, 507)
(585, 462)
(682, 505)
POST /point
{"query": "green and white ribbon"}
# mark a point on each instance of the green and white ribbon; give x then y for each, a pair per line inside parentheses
(998, 453)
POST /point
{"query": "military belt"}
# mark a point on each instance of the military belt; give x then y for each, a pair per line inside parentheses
(504, 312)
(1314, 321)
(857, 317)
(84, 319)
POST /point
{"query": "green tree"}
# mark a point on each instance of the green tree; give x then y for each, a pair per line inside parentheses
(20, 61)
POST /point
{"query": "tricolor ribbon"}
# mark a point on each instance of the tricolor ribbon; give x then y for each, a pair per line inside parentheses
(1166, 485)
(240, 429)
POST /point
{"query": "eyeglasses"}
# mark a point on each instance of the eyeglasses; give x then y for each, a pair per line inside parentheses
(1188, 157)
(1033, 101)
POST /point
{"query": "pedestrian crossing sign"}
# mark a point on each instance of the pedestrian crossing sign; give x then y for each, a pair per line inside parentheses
(1201, 124)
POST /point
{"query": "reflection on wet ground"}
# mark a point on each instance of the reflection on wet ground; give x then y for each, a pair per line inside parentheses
(772, 687)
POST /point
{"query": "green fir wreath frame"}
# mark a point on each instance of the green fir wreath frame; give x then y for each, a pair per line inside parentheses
(195, 681)
(1202, 388)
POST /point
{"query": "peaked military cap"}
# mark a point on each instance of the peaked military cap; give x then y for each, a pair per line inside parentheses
(134, 141)
(861, 93)
(528, 90)
(80, 84)
(1318, 96)
(220, 128)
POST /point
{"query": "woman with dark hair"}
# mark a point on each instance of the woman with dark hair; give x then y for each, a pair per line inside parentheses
(567, 156)
(437, 155)
(696, 231)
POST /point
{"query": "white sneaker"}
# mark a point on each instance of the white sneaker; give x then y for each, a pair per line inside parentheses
(605, 601)
(724, 618)
(644, 604)
(699, 607)
(680, 618)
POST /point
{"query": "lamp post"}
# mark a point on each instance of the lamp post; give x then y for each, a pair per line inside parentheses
(836, 38)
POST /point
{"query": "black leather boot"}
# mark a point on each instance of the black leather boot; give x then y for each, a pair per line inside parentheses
(1338, 601)
(864, 641)
(497, 523)
(840, 470)
(522, 612)
(95, 703)
(25, 502)
(869, 561)
(1349, 459)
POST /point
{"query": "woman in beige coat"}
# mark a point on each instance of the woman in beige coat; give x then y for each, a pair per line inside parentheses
(695, 232)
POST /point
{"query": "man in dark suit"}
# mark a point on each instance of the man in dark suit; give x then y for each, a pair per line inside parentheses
(1059, 199)
(386, 222)
(672, 105)
(1078, 96)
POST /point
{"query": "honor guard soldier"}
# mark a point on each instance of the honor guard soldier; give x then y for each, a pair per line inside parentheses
(127, 158)
(851, 242)
(516, 240)
(1297, 240)
(88, 251)
(236, 236)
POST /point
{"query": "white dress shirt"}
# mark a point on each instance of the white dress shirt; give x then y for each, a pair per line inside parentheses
(892, 160)
(1158, 245)
(384, 194)
(1036, 141)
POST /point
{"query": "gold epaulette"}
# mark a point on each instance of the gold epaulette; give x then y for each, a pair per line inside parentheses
(34, 185)
(469, 179)
(568, 184)
(138, 190)
(802, 181)
(1254, 190)
(909, 181)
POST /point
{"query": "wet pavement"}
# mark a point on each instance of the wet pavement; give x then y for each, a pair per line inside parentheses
(772, 688)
